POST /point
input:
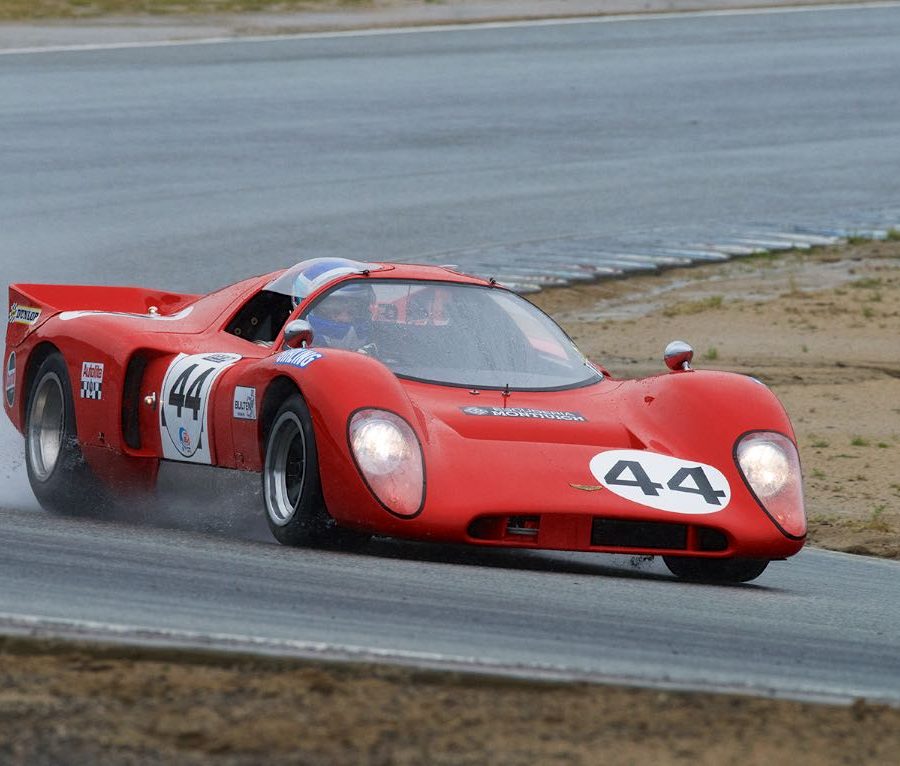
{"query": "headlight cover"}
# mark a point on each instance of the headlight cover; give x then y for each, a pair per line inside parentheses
(770, 465)
(389, 457)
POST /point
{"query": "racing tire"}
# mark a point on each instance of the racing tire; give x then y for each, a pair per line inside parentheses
(292, 488)
(57, 471)
(715, 570)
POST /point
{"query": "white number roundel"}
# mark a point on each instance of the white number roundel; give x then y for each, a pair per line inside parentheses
(662, 482)
(185, 401)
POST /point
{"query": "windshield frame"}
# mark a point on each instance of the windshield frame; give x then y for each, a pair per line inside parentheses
(593, 373)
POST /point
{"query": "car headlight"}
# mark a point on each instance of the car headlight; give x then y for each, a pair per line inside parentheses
(389, 457)
(771, 467)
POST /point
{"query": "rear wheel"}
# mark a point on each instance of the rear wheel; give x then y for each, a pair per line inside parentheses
(292, 489)
(715, 570)
(58, 474)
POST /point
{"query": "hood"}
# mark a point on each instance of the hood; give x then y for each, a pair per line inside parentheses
(581, 416)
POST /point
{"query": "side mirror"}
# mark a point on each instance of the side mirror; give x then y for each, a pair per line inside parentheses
(298, 334)
(678, 355)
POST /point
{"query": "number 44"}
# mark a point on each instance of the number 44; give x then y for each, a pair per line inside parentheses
(640, 479)
(191, 399)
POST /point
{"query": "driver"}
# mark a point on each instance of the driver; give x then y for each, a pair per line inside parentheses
(343, 318)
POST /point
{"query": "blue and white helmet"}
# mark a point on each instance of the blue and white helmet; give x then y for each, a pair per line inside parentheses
(305, 277)
(317, 272)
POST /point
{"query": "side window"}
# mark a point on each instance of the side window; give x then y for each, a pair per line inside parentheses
(261, 318)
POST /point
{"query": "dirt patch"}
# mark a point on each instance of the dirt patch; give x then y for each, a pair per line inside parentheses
(821, 327)
(67, 704)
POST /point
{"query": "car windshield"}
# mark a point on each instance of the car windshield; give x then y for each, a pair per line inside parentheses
(450, 333)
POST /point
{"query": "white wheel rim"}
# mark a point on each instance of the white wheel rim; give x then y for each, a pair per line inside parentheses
(46, 424)
(285, 469)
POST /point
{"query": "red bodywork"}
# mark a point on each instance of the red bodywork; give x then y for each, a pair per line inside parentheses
(520, 482)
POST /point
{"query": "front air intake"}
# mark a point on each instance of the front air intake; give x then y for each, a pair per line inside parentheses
(618, 533)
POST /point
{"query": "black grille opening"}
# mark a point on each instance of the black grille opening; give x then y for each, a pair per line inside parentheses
(131, 398)
(618, 533)
(711, 539)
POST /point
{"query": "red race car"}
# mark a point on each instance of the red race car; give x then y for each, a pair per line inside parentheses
(401, 400)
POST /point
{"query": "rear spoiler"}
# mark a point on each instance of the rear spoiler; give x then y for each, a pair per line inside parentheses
(31, 305)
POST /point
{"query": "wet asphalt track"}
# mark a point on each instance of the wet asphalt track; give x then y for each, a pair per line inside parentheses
(187, 168)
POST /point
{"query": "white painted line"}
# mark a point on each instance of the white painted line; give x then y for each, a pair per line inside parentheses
(857, 558)
(414, 30)
(809, 239)
(36, 625)
(698, 252)
(732, 248)
(773, 244)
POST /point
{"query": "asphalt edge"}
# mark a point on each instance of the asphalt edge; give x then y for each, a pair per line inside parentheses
(34, 635)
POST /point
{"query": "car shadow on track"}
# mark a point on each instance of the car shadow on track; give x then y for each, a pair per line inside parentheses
(610, 565)
(559, 562)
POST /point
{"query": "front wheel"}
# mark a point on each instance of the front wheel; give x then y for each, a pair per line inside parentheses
(292, 489)
(59, 476)
(715, 570)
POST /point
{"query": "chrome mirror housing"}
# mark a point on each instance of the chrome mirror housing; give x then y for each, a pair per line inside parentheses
(678, 355)
(298, 334)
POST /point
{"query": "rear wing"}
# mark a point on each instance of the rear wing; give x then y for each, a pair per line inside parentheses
(30, 305)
